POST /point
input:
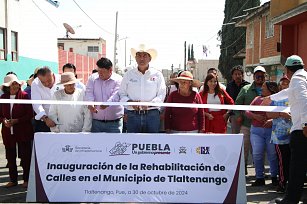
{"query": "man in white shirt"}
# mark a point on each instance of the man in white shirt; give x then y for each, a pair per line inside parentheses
(143, 84)
(43, 88)
(70, 117)
(297, 94)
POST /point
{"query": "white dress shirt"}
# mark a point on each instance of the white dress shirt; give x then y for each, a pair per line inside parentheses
(40, 92)
(70, 118)
(147, 87)
(298, 99)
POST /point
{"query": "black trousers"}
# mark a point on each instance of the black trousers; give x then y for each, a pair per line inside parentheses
(25, 150)
(284, 155)
(40, 126)
(298, 165)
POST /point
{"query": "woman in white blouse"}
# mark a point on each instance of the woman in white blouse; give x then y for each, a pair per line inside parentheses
(70, 117)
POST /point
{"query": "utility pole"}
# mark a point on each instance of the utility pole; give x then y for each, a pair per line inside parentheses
(115, 41)
(185, 55)
(125, 51)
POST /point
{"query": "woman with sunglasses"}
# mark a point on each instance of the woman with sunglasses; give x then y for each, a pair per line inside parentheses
(261, 130)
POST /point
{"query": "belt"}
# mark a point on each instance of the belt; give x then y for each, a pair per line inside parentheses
(142, 112)
(109, 121)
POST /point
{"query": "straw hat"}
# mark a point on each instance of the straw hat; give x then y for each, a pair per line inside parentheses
(68, 78)
(152, 52)
(9, 79)
(186, 75)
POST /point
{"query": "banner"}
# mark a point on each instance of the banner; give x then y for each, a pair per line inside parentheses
(105, 167)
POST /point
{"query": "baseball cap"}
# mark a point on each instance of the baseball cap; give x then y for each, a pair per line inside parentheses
(294, 60)
(259, 68)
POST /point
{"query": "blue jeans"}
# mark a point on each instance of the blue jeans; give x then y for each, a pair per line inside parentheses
(146, 122)
(260, 141)
(112, 127)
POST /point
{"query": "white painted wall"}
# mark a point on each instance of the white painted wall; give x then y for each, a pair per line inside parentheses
(37, 33)
(80, 46)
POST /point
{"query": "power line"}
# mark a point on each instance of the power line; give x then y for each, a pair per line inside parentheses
(232, 42)
(230, 18)
(93, 20)
(45, 14)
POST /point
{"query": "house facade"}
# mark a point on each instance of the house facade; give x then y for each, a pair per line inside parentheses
(291, 16)
(82, 52)
(28, 36)
(263, 42)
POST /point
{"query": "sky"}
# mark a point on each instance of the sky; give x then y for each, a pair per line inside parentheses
(160, 24)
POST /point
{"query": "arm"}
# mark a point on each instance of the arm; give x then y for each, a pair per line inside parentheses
(167, 115)
(283, 94)
(123, 92)
(89, 93)
(53, 114)
(240, 101)
(250, 114)
(161, 92)
(200, 115)
(87, 125)
(115, 96)
(35, 95)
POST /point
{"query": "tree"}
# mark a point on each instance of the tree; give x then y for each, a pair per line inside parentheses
(232, 38)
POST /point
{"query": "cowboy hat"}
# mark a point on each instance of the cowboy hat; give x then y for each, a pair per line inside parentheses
(9, 79)
(68, 78)
(152, 52)
(186, 75)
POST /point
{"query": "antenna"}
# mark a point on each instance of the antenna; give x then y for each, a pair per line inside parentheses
(69, 29)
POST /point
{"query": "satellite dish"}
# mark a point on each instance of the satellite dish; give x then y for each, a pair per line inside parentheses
(69, 29)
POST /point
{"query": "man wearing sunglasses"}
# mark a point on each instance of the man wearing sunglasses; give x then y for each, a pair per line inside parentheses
(245, 97)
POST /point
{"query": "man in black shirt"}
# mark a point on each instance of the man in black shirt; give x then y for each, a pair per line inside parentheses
(233, 88)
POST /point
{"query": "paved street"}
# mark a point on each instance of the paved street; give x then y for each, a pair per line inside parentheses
(264, 194)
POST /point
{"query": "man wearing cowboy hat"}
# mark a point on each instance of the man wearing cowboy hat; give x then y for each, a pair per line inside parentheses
(43, 88)
(69, 118)
(143, 84)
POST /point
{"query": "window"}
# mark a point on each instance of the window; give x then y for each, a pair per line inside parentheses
(61, 46)
(250, 43)
(269, 27)
(2, 44)
(14, 46)
(93, 49)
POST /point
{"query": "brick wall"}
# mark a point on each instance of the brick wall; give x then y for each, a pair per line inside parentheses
(84, 64)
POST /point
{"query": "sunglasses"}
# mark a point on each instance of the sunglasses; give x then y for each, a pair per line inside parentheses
(259, 77)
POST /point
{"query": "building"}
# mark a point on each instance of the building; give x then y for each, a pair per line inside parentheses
(28, 36)
(201, 69)
(82, 52)
(291, 16)
(263, 42)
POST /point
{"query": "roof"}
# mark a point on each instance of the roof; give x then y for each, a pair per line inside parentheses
(293, 16)
(76, 39)
(253, 13)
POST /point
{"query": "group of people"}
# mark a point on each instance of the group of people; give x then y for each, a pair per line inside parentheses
(263, 131)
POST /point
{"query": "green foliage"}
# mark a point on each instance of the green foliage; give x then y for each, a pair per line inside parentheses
(232, 38)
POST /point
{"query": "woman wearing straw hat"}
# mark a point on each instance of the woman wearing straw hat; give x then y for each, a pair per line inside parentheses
(70, 117)
(187, 120)
(213, 94)
(16, 128)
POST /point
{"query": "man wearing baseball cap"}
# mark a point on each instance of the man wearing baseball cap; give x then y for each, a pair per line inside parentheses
(297, 94)
(245, 97)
